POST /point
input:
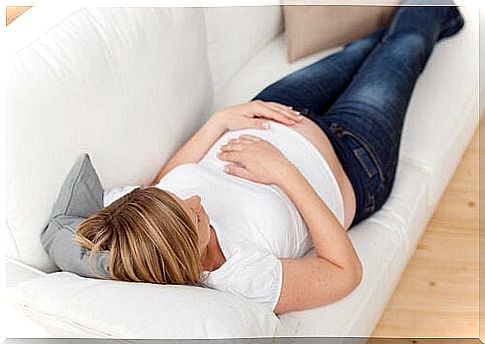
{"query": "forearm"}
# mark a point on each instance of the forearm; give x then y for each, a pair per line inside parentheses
(330, 239)
(195, 148)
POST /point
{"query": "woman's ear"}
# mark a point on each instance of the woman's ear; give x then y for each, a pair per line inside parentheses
(203, 256)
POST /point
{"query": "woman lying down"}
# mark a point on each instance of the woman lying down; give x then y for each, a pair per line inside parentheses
(240, 203)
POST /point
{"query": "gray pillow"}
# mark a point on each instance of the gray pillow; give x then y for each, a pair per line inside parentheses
(81, 194)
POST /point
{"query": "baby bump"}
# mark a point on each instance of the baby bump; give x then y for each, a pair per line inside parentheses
(319, 139)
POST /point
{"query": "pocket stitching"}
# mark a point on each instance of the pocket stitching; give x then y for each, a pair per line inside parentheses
(366, 148)
(370, 167)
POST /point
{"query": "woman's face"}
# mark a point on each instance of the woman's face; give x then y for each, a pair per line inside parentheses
(194, 208)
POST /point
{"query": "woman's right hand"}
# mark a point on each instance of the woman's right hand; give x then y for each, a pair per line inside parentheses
(254, 115)
(255, 159)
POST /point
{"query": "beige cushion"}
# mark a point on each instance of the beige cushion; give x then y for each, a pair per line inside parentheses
(312, 28)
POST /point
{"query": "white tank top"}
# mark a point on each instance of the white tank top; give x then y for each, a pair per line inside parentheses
(255, 223)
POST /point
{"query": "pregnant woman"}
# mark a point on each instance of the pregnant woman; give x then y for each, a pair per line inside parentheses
(237, 206)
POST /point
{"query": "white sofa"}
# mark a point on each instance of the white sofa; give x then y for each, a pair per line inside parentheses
(128, 86)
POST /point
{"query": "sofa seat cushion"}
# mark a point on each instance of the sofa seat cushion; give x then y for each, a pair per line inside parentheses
(117, 309)
(267, 66)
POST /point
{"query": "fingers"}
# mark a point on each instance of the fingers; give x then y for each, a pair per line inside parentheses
(237, 171)
(234, 147)
(232, 156)
(247, 137)
(287, 110)
(282, 116)
(278, 112)
(236, 144)
(259, 123)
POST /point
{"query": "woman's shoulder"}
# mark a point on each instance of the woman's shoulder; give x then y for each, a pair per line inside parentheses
(186, 173)
(181, 169)
(256, 275)
(113, 194)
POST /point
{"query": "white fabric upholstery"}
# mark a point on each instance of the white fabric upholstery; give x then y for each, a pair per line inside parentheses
(443, 113)
(56, 99)
(264, 68)
(118, 83)
(11, 247)
(235, 34)
(146, 311)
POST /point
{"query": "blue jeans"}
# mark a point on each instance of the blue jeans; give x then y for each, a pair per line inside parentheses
(359, 96)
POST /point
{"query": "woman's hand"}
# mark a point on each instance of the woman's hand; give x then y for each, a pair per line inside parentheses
(255, 159)
(254, 115)
(250, 115)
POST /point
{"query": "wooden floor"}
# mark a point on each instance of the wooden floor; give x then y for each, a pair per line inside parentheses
(12, 12)
(438, 293)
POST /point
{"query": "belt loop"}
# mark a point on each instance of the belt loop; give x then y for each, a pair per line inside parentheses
(305, 111)
(336, 129)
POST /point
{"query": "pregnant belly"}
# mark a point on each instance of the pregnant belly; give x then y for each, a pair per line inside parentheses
(317, 136)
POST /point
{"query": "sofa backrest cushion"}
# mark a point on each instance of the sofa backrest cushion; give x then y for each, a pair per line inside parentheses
(126, 85)
(237, 33)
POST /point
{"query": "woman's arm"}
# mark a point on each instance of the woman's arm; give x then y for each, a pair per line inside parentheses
(248, 115)
(307, 282)
(195, 148)
(335, 271)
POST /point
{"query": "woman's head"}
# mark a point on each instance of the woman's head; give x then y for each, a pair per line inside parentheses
(151, 236)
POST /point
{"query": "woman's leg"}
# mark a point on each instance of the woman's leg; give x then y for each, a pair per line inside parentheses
(316, 86)
(367, 119)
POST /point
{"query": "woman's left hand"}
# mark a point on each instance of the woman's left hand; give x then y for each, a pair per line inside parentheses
(254, 115)
(255, 159)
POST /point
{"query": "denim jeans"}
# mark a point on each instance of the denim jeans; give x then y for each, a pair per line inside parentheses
(359, 96)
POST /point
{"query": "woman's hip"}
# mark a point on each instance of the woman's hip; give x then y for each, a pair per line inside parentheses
(368, 158)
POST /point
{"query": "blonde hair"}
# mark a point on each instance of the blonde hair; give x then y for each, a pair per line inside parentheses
(150, 237)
